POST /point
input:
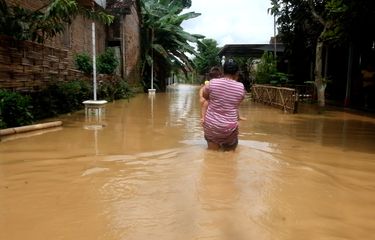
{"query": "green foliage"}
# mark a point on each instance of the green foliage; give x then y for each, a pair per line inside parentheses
(60, 98)
(207, 56)
(279, 78)
(343, 22)
(14, 109)
(164, 42)
(122, 90)
(83, 62)
(70, 95)
(17, 22)
(66, 97)
(267, 73)
(45, 22)
(107, 62)
(265, 69)
(114, 89)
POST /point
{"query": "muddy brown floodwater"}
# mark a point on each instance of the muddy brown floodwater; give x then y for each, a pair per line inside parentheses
(143, 173)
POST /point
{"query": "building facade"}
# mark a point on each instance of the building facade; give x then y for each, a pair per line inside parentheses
(27, 66)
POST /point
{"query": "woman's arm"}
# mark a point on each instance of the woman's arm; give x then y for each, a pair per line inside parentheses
(205, 93)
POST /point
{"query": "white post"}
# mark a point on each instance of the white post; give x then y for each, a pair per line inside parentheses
(152, 69)
(152, 57)
(93, 60)
(152, 90)
(94, 106)
(274, 35)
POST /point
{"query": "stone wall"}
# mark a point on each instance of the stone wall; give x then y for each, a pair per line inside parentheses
(28, 66)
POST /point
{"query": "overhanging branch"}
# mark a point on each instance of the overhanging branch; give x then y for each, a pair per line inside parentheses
(315, 14)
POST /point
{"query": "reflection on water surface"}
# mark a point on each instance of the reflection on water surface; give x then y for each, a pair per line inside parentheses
(143, 173)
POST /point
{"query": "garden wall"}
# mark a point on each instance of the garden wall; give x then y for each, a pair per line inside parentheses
(28, 66)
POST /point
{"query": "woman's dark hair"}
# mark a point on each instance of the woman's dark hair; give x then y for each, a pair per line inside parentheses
(214, 73)
(230, 67)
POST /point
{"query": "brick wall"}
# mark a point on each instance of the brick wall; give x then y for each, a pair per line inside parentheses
(132, 46)
(79, 37)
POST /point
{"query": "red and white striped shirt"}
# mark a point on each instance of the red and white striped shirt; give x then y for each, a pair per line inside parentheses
(225, 95)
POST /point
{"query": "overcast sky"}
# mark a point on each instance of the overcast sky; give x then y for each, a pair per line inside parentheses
(231, 22)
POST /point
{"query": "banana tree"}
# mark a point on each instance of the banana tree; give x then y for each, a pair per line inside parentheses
(164, 42)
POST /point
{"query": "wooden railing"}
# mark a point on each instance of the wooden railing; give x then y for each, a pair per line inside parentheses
(281, 97)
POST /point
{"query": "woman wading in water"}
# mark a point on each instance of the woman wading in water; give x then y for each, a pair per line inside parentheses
(224, 96)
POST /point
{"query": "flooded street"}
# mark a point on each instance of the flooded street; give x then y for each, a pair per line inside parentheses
(143, 173)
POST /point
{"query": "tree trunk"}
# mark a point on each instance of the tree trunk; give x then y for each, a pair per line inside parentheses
(319, 80)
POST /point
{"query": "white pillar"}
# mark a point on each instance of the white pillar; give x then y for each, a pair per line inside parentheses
(274, 36)
(152, 90)
(152, 70)
(93, 60)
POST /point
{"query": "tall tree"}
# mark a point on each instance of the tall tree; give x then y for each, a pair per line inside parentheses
(317, 23)
(207, 56)
(164, 42)
(299, 30)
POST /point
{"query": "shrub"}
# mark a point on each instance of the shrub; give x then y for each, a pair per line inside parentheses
(114, 89)
(107, 62)
(14, 109)
(18, 110)
(265, 69)
(122, 90)
(70, 95)
(83, 62)
(60, 98)
(267, 73)
(45, 103)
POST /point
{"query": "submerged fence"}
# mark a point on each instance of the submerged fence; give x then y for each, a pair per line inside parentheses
(281, 97)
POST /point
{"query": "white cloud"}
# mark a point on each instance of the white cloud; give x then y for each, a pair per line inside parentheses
(231, 22)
